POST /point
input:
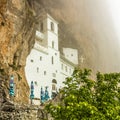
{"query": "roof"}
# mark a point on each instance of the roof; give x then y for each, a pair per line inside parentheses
(46, 15)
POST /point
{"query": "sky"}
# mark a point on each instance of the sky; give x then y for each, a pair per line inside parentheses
(115, 12)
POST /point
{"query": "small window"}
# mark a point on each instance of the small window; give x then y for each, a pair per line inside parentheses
(52, 26)
(31, 60)
(52, 60)
(53, 87)
(40, 58)
(37, 69)
(52, 44)
(54, 81)
(44, 72)
(71, 54)
(66, 68)
(62, 66)
(53, 74)
(36, 83)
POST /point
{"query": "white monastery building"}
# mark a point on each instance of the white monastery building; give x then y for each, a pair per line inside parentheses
(45, 65)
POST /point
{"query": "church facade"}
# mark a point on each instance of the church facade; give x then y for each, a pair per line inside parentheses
(45, 65)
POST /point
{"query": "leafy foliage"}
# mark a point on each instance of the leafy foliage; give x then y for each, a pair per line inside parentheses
(86, 99)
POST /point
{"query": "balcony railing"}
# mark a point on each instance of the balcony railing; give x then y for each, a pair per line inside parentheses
(39, 35)
(41, 48)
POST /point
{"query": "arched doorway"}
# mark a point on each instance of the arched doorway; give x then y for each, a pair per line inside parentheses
(54, 88)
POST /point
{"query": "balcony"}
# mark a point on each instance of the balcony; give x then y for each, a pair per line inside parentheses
(40, 48)
(39, 35)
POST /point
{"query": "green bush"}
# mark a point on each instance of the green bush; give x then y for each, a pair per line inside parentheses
(86, 99)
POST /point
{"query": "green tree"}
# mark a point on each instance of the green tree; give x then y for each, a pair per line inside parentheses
(86, 99)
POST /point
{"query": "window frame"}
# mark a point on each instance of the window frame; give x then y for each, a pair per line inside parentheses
(52, 26)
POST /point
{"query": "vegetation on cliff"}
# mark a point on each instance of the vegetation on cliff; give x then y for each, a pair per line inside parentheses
(86, 99)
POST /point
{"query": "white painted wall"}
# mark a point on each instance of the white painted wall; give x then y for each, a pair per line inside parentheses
(39, 67)
(71, 54)
(66, 70)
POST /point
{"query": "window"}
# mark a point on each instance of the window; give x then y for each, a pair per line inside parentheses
(52, 26)
(52, 44)
(54, 83)
(37, 69)
(40, 58)
(36, 83)
(53, 74)
(53, 87)
(62, 66)
(52, 60)
(44, 72)
(66, 68)
(31, 60)
(71, 54)
(41, 27)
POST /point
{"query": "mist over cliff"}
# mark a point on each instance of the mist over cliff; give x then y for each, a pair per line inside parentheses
(87, 25)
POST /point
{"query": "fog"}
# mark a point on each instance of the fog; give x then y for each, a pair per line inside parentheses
(114, 6)
(95, 27)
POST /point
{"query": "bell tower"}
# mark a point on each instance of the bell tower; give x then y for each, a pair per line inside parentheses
(52, 32)
(48, 27)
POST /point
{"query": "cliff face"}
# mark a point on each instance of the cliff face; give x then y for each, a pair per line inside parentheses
(10, 111)
(83, 24)
(17, 31)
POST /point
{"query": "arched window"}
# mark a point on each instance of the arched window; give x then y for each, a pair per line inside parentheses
(54, 83)
(54, 88)
(52, 26)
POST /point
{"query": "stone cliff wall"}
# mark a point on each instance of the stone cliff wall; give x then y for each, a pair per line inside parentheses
(21, 112)
(17, 31)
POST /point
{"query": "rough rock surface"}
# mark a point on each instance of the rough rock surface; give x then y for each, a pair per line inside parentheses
(23, 112)
(9, 110)
(17, 31)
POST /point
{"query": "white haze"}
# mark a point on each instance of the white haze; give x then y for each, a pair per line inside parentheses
(115, 12)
